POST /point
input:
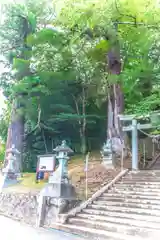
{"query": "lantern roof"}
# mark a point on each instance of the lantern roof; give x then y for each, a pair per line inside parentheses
(63, 148)
(13, 150)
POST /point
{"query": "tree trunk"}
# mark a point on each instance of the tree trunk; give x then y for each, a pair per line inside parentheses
(83, 142)
(115, 107)
(16, 128)
(83, 123)
(16, 135)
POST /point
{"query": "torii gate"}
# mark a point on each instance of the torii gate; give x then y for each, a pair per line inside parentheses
(134, 128)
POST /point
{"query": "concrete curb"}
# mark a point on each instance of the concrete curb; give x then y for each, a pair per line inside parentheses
(63, 217)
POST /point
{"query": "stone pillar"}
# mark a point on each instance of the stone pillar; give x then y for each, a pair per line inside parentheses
(134, 145)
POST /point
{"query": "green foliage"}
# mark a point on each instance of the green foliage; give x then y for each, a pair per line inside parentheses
(61, 78)
(4, 122)
(20, 64)
(3, 128)
(2, 153)
(44, 36)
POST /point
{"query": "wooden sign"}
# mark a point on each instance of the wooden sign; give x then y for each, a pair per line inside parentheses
(46, 163)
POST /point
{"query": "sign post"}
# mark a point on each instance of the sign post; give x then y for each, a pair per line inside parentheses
(46, 163)
(86, 171)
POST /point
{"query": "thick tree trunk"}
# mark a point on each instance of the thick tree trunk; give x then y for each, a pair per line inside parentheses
(16, 135)
(16, 128)
(115, 107)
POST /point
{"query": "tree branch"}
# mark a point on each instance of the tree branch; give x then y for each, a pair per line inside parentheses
(125, 15)
(77, 108)
(38, 123)
(44, 141)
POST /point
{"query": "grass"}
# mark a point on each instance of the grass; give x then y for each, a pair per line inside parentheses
(75, 168)
(28, 179)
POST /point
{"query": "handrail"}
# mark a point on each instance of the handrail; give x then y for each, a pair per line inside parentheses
(155, 159)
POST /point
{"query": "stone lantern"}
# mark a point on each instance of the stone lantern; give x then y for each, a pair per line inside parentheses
(10, 171)
(11, 168)
(107, 154)
(59, 192)
(60, 176)
(62, 154)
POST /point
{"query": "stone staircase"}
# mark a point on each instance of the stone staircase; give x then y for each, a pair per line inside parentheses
(129, 210)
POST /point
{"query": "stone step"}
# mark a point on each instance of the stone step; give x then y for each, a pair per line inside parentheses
(141, 178)
(145, 172)
(128, 205)
(138, 189)
(112, 227)
(129, 200)
(143, 186)
(132, 222)
(149, 176)
(134, 196)
(134, 192)
(122, 215)
(131, 181)
(157, 166)
(95, 234)
(148, 212)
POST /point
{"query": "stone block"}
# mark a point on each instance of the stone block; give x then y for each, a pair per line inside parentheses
(108, 163)
(59, 190)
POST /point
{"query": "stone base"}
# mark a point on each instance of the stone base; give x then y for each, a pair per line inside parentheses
(6, 182)
(108, 163)
(59, 190)
(59, 195)
(108, 166)
(55, 198)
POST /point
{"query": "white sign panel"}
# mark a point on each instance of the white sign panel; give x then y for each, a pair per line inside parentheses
(46, 163)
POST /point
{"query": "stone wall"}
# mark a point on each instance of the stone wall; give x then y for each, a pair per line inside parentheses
(22, 207)
(50, 216)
